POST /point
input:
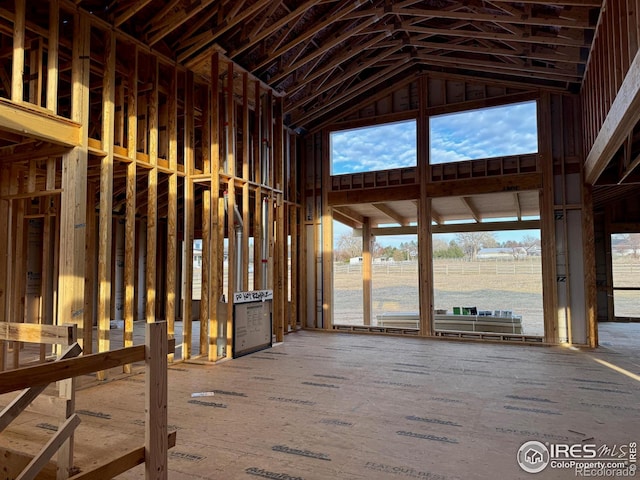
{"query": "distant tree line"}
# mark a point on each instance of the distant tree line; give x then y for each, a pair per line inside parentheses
(466, 245)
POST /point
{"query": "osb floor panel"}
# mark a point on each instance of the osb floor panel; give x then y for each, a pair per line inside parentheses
(344, 406)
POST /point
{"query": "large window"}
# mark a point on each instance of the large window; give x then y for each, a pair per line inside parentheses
(488, 282)
(368, 149)
(484, 133)
(625, 263)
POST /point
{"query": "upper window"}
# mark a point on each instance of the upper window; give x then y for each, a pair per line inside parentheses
(368, 149)
(484, 133)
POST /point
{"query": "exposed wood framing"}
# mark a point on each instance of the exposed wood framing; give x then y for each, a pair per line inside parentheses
(189, 220)
(172, 207)
(73, 211)
(217, 220)
(130, 204)
(106, 196)
(367, 263)
(152, 195)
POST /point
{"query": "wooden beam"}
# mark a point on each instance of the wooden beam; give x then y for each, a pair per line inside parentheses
(32, 123)
(367, 266)
(468, 202)
(458, 227)
(211, 35)
(622, 117)
(121, 464)
(130, 12)
(246, 154)
(22, 401)
(152, 196)
(130, 210)
(349, 222)
(391, 213)
(507, 37)
(26, 377)
(425, 214)
(556, 22)
(36, 333)
(17, 70)
(172, 205)
(331, 43)
(105, 227)
(52, 56)
(274, 27)
(350, 214)
(51, 447)
(468, 187)
(156, 442)
(73, 208)
(230, 110)
(189, 216)
(168, 23)
(280, 273)
(382, 194)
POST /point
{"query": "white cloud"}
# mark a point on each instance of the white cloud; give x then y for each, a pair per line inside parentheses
(367, 149)
(484, 133)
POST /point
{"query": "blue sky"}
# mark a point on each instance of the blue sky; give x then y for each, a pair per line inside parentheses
(392, 145)
(483, 133)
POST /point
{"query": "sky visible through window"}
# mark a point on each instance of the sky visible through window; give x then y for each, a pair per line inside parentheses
(474, 134)
(485, 133)
(381, 147)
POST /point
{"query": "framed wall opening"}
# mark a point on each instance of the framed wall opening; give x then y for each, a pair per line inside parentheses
(488, 281)
(625, 270)
(373, 148)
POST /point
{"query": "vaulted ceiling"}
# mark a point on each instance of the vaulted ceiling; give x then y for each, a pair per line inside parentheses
(318, 53)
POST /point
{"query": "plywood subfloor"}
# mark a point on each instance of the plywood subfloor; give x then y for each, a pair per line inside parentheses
(341, 406)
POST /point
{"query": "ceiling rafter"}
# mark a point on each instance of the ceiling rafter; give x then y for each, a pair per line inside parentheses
(317, 91)
(497, 19)
(499, 52)
(348, 54)
(333, 43)
(130, 12)
(229, 24)
(505, 68)
(308, 33)
(516, 200)
(391, 213)
(475, 34)
(274, 27)
(468, 202)
(172, 22)
(321, 109)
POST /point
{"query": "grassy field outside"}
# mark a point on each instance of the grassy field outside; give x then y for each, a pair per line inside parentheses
(485, 284)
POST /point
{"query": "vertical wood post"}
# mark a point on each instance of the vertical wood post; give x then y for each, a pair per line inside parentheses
(217, 220)
(106, 196)
(425, 242)
(130, 215)
(73, 208)
(156, 441)
(52, 55)
(172, 206)
(189, 217)
(367, 264)
(17, 70)
(152, 196)
(231, 169)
